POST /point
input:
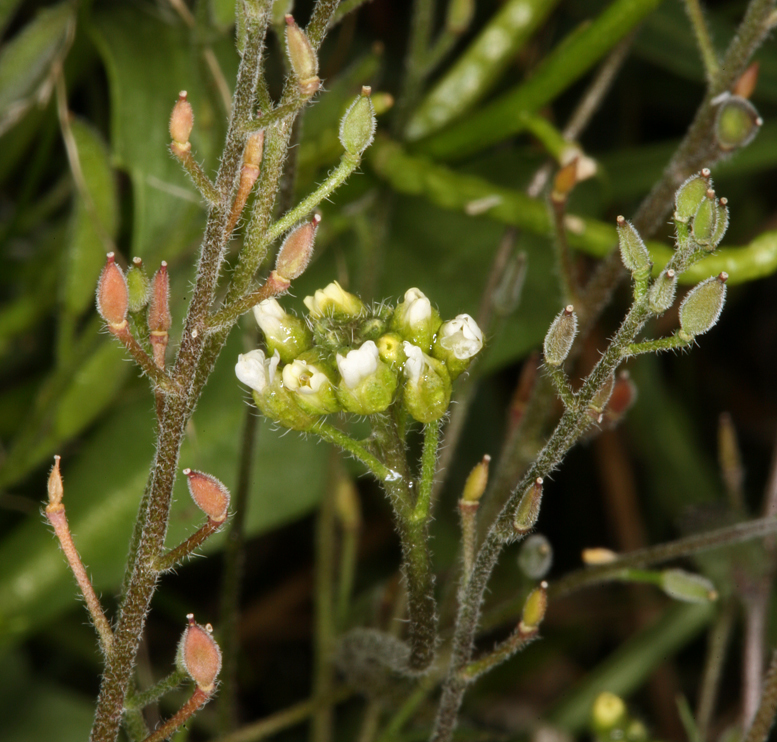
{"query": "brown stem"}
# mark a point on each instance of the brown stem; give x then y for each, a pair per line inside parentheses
(195, 703)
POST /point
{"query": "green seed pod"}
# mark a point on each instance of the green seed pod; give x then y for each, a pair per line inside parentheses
(737, 123)
(705, 221)
(687, 587)
(535, 557)
(357, 127)
(138, 286)
(561, 335)
(662, 292)
(690, 195)
(528, 510)
(633, 251)
(701, 309)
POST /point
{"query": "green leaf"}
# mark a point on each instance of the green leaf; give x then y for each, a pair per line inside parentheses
(26, 60)
(94, 224)
(146, 70)
(104, 484)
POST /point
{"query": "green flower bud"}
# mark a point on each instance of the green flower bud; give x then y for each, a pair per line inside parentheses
(416, 320)
(283, 332)
(312, 384)
(528, 511)
(608, 713)
(534, 608)
(737, 123)
(688, 587)
(391, 350)
(721, 225)
(705, 220)
(367, 384)
(662, 292)
(458, 341)
(138, 286)
(477, 480)
(357, 127)
(273, 400)
(701, 309)
(427, 390)
(634, 254)
(535, 557)
(561, 335)
(690, 195)
(334, 301)
(302, 57)
(602, 397)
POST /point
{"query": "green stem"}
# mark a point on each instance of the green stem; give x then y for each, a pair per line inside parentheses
(702, 32)
(197, 174)
(561, 383)
(428, 469)
(654, 346)
(349, 551)
(502, 652)
(155, 692)
(343, 440)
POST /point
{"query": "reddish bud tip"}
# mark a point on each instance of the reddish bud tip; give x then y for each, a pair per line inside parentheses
(706, 173)
(745, 85)
(199, 655)
(297, 249)
(182, 121)
(112, 293)
(722, 277)
(56, 490)
(159, 319)
(620, 220)
(211, 496)
(137, 262)
(289, 19)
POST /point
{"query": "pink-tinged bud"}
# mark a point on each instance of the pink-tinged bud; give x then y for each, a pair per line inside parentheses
(252, 156)
(112, 293)
(303, 58)
(623, 396)
(56, 491)
(745, 85)
(199, 655)
(297, 248)
(159, 319)
(182, 122)
(211, 496)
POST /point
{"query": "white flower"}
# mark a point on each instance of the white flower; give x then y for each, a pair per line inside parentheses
(269, 316)
(462, 337)
(418, 309)
(303, 377)
(416, 362)
(358, 364)
(255, 370)
(333, 299)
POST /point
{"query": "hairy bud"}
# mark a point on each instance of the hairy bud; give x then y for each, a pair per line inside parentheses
(534, 608)
(701, 309)
(528, 510)
(297, 248)
(181, 123)
(561, 335)
(737, 123)
(690, 195)
(633, 251)
(199, 655)
(112, 293)
(687, 587)
(138, 286)
(477, 480)
(210, 495)
(357, 127)
(303, 58)
(662, 292)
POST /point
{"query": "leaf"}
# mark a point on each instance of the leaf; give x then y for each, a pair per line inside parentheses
(87, 246)
(104, 485)
(26, 60)
(146, 70)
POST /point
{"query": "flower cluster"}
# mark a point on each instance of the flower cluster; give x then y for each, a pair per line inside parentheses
(348, 357)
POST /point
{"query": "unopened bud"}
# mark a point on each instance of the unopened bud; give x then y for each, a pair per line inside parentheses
(294, 255)
(477, 480)
(598, 555)
(705, 220)
(252, 154)
(687, 587)
(159, 319)
(303, 58)
(535, 557)
(333, 301)
(701, 309)
(528, 511)
(210, 495)
(564, 182)
(634, 254)
(55, 488)
(662, 292)
(283, 332)
(608, 713)
(737, 123)
(602, 397)
(199, 655)
(416, 320)
(390, 349)
(623, 396)
(357, 127)
(459, 16)
(561, 335)
(745, 85)
(721, 224)
(367, 384)
(112, 293)
(690, 195)
(138, 286)
(181, 122)
(427, 390)
(534, 608)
